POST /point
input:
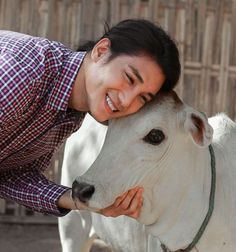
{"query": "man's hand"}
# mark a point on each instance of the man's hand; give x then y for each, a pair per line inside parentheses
(128, 204)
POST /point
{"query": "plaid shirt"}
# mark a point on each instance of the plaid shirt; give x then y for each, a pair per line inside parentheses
(36, 78)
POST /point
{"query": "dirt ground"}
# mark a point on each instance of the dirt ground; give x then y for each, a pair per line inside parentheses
(29, 238)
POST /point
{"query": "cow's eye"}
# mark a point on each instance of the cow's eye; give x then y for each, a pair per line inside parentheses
(155, 137)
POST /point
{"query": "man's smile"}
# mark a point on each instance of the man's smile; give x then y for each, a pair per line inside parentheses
(110, 104)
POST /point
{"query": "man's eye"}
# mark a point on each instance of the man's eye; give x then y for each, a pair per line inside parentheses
(144, 98)
(131, 80)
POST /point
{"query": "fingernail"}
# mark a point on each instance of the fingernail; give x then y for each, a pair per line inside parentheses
(141, 189)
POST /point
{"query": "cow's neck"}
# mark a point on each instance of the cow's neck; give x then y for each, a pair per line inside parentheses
(186, 204)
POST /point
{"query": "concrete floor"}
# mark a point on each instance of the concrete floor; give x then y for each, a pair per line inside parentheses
(29, 238)
(35, 238)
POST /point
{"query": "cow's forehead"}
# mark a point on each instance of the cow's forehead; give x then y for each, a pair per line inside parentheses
(168, 99)
(159, 111)
(164, 104)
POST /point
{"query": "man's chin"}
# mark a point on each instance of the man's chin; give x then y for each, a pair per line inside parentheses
(97, 117)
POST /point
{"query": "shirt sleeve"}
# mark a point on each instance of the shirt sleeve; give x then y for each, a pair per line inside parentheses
(29, 187)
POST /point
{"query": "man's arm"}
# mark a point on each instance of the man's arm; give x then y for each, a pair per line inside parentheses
(32, 189)
(128, 204)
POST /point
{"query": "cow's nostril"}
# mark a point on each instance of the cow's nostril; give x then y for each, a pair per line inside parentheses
(82, 190)
(86, 193)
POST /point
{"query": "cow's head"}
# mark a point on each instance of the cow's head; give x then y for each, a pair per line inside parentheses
(154, 148)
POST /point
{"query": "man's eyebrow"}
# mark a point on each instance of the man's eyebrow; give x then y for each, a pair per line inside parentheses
(136, 73)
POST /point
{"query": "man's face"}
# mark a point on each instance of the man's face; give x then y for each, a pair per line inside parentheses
(121, 86)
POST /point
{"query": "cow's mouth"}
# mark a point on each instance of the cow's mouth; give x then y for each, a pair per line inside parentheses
(82, 191)
(81, 194)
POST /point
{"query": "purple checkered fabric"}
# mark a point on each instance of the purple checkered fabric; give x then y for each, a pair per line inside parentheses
(36, 78)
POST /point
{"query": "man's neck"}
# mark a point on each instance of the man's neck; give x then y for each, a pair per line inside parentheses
(78, 98)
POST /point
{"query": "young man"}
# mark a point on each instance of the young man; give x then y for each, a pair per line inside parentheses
(46, 89)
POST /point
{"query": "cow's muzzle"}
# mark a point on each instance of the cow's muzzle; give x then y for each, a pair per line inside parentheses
(82, 191)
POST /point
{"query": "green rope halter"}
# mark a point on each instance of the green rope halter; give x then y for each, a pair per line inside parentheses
(210, 209)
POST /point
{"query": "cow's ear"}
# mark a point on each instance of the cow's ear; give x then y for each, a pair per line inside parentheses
(196, 124)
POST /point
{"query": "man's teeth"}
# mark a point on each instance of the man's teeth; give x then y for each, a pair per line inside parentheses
(110, 104)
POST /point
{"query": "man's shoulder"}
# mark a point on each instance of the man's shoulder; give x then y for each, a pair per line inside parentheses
(12, 42)
(7, 34)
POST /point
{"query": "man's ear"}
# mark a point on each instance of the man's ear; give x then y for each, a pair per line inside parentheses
(101, 50)
(196, 124)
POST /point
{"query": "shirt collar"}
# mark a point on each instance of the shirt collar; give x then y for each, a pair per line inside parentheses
(60, 94)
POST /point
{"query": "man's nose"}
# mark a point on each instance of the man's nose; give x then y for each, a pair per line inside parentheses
(126, 98)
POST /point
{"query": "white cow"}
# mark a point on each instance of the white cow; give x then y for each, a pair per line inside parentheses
(76, 229)
(81, 150)
(164, 148)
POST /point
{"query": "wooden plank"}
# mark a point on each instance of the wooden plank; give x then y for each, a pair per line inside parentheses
(52, 30)
(206, 62)
(219, 17)
(43, 18)
(2, 10)
(180, 37)
(103, 17)
(153, 10)
(233, 41)
(115, 11)
(124, 10)
(224, 65)
(135, 8)
(201, 20)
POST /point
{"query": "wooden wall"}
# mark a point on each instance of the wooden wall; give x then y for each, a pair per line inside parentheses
(204, 31)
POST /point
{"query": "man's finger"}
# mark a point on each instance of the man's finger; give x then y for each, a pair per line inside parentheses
(120, 199)
(129, 197)
(135, 205)
(123, 196)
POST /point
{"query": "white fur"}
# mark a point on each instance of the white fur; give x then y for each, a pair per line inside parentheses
(176, 178)
(77, 228)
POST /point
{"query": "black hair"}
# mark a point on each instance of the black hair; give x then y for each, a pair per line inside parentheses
(139, 36)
